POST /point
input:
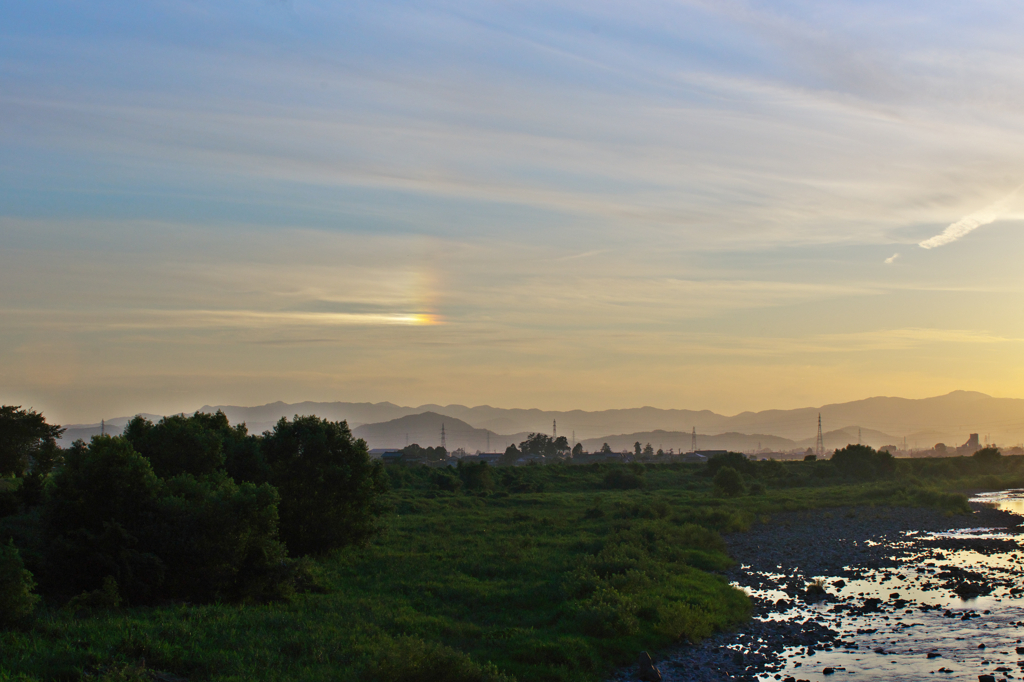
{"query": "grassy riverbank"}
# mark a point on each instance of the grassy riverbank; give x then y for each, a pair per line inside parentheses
(534, 573)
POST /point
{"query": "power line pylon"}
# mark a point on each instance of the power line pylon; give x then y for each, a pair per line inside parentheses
(819, 446)
(444, 442)
(693, 440)
(554, 430)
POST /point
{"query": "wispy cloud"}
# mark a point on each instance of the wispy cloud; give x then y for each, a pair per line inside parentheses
(892, 259)
(969, 223)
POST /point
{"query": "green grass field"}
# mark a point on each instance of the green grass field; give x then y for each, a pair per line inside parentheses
(537, 573)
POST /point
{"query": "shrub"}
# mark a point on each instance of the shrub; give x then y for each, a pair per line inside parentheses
(17, 603)
(331, 492)
(733, 460)
(684, 621)
(411, 659)
(106, 597)
(446, 481)
(607, 613)
(728, 482)
(476, 475)
(623, 479)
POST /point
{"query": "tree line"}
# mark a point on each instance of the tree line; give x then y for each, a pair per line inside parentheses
(188, 508)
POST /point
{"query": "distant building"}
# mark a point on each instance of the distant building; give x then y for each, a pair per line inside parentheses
(970, 447)
(694, 458)
(708, 454)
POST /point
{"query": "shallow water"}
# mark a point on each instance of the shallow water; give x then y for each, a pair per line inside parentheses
(920, 614)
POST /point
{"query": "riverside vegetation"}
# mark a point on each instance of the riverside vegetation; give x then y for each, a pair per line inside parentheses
(192, 549)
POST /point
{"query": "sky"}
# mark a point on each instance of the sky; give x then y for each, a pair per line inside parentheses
(718, 205)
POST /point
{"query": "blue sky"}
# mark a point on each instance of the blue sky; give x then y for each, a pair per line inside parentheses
(601, 204)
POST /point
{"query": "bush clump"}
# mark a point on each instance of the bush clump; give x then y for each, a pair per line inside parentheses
(410, 659)
(729, 482)
(623, 479)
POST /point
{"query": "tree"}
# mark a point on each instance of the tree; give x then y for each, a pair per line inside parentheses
(577, 450)
(331, 492)
(637, 449)
(17, 603)
(729, 482)
(862, 461)
(648, 451)
(181, 445)
(510, 456)
(24, 435)
(735, 460)
(428, 454)
(660, 453)
(107, 515)
(560, 447)
(538, 444)
(940, 449)
(606, 449)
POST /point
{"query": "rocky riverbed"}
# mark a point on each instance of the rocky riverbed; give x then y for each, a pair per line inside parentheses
(870, 593)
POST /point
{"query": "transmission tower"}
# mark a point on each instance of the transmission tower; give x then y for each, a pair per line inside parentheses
(488, 441)
(819, 447)
(103, 427)
(554, 430)
(693, 440)
(444, 442)
(858, 435)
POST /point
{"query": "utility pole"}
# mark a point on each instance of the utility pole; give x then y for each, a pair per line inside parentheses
(819, 447)
(103, 427)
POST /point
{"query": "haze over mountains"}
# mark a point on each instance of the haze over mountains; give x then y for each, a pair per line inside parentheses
(881, 421)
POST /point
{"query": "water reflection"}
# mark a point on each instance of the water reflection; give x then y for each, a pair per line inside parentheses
(1006, 500)
(922, 628)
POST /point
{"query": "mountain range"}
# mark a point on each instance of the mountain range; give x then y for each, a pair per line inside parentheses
(880, 421)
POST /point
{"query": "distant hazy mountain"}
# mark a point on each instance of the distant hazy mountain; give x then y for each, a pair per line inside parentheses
(113, 427)
(425, 429)
(883, 421)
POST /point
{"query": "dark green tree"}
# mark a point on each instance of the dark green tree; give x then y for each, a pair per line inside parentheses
(107, 515)
(637, 449)
(862, 461)
(577, 450)
(331, 492)
(648, 451)
(17, 602)
(606, 449)
(181, 445)
(510, 455)
(539, 444)
(736, 460)
(414, 451)
(24, 436)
